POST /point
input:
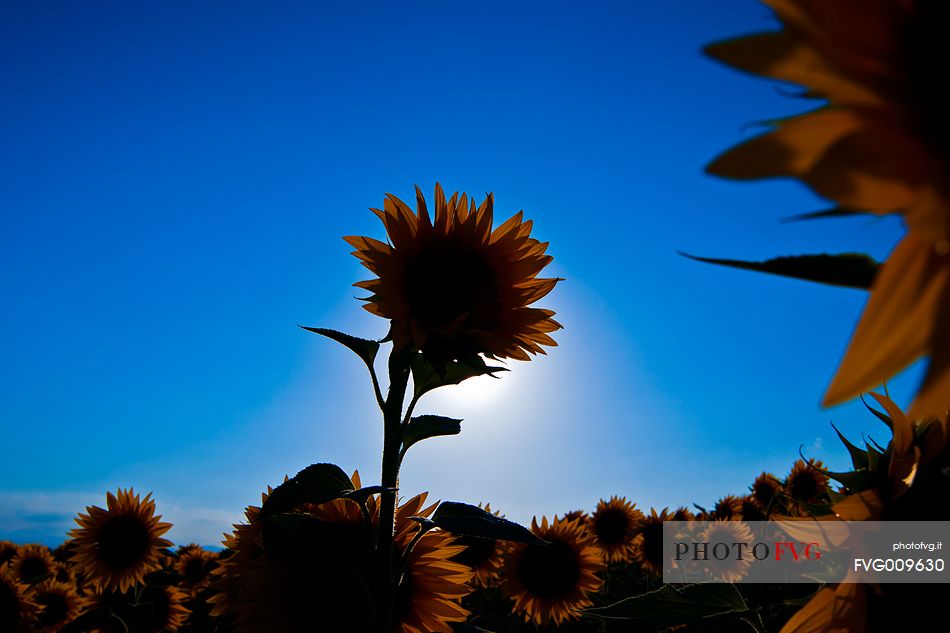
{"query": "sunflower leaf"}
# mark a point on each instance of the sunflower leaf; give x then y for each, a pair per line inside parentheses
(668, 605)
(364, 348)
(469, 520)
(317, 483)
(425, 426)
(850, 270)
(360, 495)
(834, 212)
(426, 376)
(856, 480)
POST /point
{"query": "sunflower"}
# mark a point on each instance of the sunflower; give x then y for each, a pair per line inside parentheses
(730, 569)
(806, 483)
(8, 550)
(195, 566)
(880, 144)
(750, 510)
(764, 490)
(728, 508)
(33, 563)
(454, 288)
(682, 513)
(58, 604)
(615, 524)
(574, 515)
(16, 607)
(153, 609)
(328, 580)
(549, 581)
(650, 541)
(118, 546)
(482, 555)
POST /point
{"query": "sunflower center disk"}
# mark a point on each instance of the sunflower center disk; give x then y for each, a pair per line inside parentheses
(611, 526)
(123, 542)
(803, 487)
(55, 608)
(927, 42)
(448, 282)
(549, 571)
(33, 568)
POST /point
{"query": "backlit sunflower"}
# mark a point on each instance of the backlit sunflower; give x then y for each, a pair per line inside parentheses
(615, 524)
(730, 569)
(482, 555)
(116, 547)
(806, 483)
(573, 515)
(764, 490)
(153, 609)
(195, 565)
(57, 602)
(33, 563)
(881, 144)
(327, 581)
(8, 550)
(453, 287)
(682, 514)
(650, 541)
(728, 508)
(16, 608)
(548, 581)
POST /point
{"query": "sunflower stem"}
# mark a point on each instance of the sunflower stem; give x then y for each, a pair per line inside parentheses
(392, 443)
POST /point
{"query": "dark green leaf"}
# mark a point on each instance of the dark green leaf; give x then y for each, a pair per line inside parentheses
(836, 212)
(425, 426)
(363, 348)
(426, 377)
(859, 458)
(851, 270)
(469, 520)
(317, 483)
(669, 605)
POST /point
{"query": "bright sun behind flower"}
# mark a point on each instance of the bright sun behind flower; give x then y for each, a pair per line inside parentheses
(453, 287)
(881, 144)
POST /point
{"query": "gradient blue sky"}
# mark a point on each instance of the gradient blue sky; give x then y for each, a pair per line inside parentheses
(175, 179)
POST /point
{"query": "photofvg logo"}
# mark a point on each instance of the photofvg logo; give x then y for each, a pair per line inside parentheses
(805, 551)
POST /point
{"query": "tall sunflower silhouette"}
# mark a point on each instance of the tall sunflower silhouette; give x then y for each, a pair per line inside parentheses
(453, 287)
(880, 144)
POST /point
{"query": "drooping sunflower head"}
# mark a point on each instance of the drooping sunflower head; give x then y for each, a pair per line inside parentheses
(549, 581)
(615, 525)
(33, 563)
(649, 542)
(764, 490)
(806, 482)
(117, 546)
(57, 602)
(453, 287)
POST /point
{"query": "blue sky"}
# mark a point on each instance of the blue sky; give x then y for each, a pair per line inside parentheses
(175, 180)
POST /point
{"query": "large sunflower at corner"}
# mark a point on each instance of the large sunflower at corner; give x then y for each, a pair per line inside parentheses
(880, 144)
(116, 547)
(453, 287)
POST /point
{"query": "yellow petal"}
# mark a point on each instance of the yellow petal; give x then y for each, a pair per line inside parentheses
(898, 322)
(791, 150)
